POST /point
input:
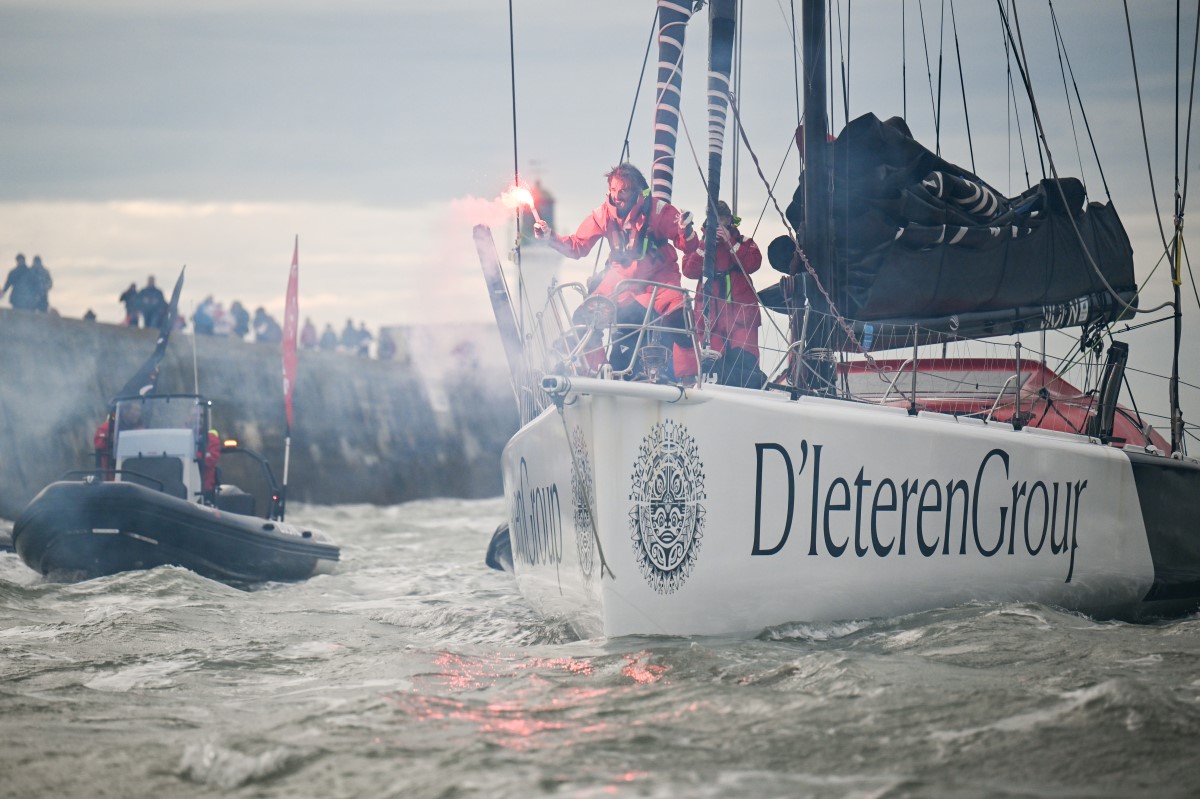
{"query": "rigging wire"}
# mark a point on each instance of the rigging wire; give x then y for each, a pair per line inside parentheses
(842, 58)
(771, 189)
(1013, 112)
(1079, 100)
(1187, 147)
(937, 125)
(1039, 136)
(1058, 47)
(1039, 128)
(928, 69)
(1152, 374)
(849, 55)
(1178, 440)
(737, 90)
(704, 179)
(1191, 277)
(638, 91)
(512, 71)
(829, 65)
(1176, 149)
(962, 84)
(797, 77)
(1191, 105)
(799, 253)
(1145, 139)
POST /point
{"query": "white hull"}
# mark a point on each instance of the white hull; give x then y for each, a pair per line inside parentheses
(725, 511)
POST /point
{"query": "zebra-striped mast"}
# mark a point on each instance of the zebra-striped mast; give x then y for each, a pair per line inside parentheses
(722, 23)
(673, 16)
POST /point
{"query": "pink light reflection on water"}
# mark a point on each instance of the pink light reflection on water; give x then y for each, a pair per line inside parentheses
(627, 777)
(643, 673)
(528, 716)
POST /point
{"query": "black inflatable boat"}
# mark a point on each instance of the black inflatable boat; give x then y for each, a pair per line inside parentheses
(147, 505)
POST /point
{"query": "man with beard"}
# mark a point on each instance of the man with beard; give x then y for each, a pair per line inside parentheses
(644, 236)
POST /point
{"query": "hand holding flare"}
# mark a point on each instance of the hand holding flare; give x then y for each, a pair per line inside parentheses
(518, 197)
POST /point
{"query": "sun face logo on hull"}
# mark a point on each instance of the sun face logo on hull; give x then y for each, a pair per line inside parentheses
(666, 519)
(583, 499)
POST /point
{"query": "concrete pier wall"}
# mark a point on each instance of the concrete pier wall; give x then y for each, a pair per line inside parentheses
(430, 425)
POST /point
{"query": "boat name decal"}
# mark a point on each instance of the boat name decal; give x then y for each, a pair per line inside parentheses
(536, 524)
(666, 519)
(1032, 517)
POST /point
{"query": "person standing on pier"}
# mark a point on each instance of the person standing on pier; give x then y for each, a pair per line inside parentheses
(151, 303)
(23, 284)
(129, 298)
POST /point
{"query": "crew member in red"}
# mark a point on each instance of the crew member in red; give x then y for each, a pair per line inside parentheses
(208, 451)
(643, 235)
(131, 419)
(209, 455)
(732, 301)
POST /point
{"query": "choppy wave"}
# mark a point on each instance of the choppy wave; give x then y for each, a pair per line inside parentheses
(415, 671)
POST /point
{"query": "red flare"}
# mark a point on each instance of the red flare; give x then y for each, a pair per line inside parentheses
(518, 197)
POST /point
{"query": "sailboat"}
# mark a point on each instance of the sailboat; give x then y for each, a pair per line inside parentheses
(873, 475)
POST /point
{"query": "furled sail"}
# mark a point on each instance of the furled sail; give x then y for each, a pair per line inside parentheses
(920, 240)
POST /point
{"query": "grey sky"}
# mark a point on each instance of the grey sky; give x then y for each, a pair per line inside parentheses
(138, 136)
(182, 101)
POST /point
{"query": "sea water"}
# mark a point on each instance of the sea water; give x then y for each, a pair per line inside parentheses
(415, 671)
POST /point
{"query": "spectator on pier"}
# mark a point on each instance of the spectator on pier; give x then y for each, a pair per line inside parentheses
(129, 298)
(266, 329)
(23, 284)
(364, 341)
(241, 319)
(42, 284)
(222, 321)
(151, 303)
(308, 335)
(202, 319)
(349, 339)
(386, 350)
(329, 339)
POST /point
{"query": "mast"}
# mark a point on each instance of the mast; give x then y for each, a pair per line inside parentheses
(673, 16)
(816, 149)
(722, 25)
(814, 373)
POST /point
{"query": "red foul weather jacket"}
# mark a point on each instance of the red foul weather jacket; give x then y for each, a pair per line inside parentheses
(735, 303)
(642, 247)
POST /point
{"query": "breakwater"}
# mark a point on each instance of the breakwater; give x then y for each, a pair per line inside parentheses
(430, 424)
